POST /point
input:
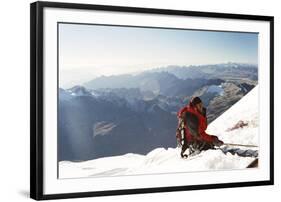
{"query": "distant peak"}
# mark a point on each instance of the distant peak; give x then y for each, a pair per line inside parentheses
(79, 91)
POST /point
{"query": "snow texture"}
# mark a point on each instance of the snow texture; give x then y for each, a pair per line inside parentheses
(215, 89)
(246, 111)
(162, 160)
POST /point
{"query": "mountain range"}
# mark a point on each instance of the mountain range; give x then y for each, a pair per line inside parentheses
(114, 115)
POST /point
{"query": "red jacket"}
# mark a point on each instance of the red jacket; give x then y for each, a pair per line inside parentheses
(202, 125)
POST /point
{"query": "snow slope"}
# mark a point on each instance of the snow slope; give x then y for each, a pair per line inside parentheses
(245, 110)
(163, 160)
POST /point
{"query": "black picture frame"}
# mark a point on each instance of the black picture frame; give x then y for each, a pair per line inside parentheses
(37, 97)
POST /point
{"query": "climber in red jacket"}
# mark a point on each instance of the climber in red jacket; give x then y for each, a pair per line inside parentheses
(193, 120)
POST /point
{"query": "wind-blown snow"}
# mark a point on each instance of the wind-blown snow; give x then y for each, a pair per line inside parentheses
(162, 160)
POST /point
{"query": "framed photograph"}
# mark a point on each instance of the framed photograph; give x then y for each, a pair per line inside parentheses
(128, 100)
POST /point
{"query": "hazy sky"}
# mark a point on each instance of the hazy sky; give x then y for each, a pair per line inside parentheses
(87, 51)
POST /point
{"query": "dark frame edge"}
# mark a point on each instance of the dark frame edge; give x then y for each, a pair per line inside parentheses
(155, 190)
(36, 101)
(153, 10)
(271, 77)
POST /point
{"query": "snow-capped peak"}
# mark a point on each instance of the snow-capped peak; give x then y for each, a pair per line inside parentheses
(79, 91)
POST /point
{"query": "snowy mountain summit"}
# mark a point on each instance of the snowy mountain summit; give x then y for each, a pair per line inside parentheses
(79, 91)
(238, 125)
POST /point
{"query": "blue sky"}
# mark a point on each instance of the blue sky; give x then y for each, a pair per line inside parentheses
(96, 50)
